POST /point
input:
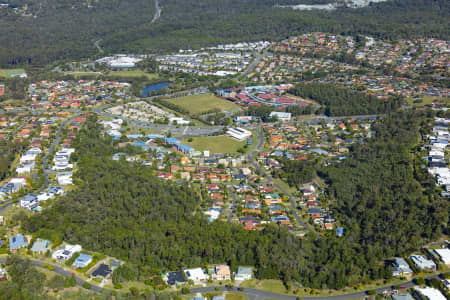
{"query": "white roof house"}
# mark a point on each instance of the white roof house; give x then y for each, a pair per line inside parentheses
(197, 275)
(423, 263)
(239, 133)
(444, 255)
(25, 168)
(67, 252)
(243, 273)
(64, 178)
(431, 293)
(282, 116)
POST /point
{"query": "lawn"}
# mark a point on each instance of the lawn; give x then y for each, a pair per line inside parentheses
(274, 286)
(427, 100)
(215, 144)
(132, 74)
(80, 74)
(204, 103)
(234, 297)
(8, 72)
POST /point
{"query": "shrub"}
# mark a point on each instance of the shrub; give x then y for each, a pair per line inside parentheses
(185, 290)
(372, 292)
(87, 286)
(118, 286)
(44, 265)
(51, 268)
(419, 281)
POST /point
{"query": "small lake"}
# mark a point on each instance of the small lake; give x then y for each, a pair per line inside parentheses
(154, 87)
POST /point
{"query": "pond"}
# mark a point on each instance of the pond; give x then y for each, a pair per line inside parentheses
(154, 87)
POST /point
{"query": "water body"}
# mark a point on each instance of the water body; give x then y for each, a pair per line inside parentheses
(154, 87)
(333, 6)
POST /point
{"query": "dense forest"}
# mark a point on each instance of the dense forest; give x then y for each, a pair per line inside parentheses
(340, 101)
(123, 210)
(31, 31)
(8, 152)
(296, 172)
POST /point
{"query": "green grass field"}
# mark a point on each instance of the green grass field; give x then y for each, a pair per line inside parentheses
(132, 74)
(215, 144)
(7, 73)
(427, 100)
(129, 74)
(234, 297)
(201, 104)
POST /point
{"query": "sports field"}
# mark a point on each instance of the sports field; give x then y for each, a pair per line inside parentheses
(201, 104)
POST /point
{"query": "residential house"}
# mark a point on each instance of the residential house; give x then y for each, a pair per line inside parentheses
(222, 272)
(422, 263)
(196, 275)
(430, 293)
(40, 246)
(401, 267)
(82, 261)
(67, 252)
(444, 255)
(402, 297)
(243, 273)
(175, 278)
(16, 242)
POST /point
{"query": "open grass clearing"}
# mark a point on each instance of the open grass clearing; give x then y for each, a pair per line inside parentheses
(302, 99)
(81, 74)
(132, 74)
(426, 100)
(8, 73)
(232, 296)
(204, 103)
(215, 144)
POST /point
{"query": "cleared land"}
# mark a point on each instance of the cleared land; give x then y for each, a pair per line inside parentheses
(132, 74)
(10, 72)
(129, 74)
(201, 104)
(302, 99)
(427, 100)
(215, 144)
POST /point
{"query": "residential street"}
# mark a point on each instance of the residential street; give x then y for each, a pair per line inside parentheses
(255, 294)
(269, 180)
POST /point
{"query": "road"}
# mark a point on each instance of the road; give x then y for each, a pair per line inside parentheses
(52, 148)
(175, 130)
(255, 294)
(62, 272)
(269, 180)
(253, 64)
(5, 206)
(157, 12)
(233, 207)
(97, 45)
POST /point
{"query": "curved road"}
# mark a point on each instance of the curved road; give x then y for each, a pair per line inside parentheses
(255, 294)
(52, 148)
(5, 206)
(269, 180)
(157, 12)
(62, 272)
